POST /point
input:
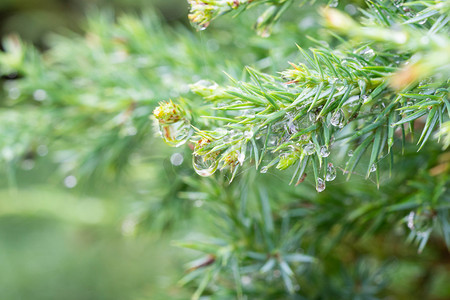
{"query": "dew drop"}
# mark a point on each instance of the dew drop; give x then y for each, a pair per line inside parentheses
(331, 172)
(42, 150)
(367, 53)
(246, 280)
(7, 153)
(27, 164)
(373, 168)
(40, 95)
(350, 153)
(176, 159)
(70, 181)
(264, 169)
(320, 186)
(312, 116)
(337, 119)
(14, 93)
(175, 134)
(309, 148)
(204, 165)
(241, 158)
(129, 130)
(324, 152)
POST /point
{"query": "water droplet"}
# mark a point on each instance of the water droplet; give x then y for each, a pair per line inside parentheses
(312, 116)
(14, 93)
(8, 154)
(331, 172)
(198, 203)
(42, 150)
(204, 165)
(129, 226)
(350, 153)
(367, 53)
(27, 164)
(40, 95)
(175, 134)
(373, 168)
(129, 130)
(351, 9)
(320, 185)
(337, 119)
(324, 152)
(241, 158)
(70, 181)
(246, 280)
(420, 221)
(248, 134)
(264, 169)
(309, 148)
(399, 37)
(176, 159)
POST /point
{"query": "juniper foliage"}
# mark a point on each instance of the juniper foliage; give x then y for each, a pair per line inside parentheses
(325, 167)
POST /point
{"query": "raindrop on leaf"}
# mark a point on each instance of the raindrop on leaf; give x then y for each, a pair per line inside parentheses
(324, 152)
(337, 119)
(175, 134)
(309, 148)
(320, 186)
(204, 165)
(367, 53)
(331, 172)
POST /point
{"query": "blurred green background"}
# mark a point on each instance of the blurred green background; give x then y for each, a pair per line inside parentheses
(32, 19)
(77, 243)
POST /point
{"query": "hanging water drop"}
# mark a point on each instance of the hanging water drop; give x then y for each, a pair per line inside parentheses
(373, 168)
(324, 152)
(241, 158)
(309, 148)
(204, 165)
(337, 119)
(331, 172)
(175, 134)
(320, 185)
(312, 116)
(40, 95)
(350, 153)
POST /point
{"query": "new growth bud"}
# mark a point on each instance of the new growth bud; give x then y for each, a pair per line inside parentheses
(202, 12)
